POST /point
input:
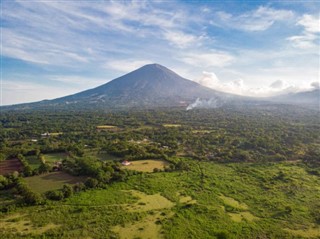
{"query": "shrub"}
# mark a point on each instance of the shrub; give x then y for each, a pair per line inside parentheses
(56, 195)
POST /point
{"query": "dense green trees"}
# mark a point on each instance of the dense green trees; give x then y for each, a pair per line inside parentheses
(256, 134)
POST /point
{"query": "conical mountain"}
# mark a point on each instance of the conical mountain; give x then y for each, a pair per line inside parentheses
(150, 85)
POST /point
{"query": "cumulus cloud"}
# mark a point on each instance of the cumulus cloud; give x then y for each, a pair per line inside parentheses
(315, 85)
(310, 23)
(238, 86)
(278, 84)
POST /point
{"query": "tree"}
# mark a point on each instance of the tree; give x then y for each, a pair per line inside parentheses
(44, 168)
(91, 183)
(3, 182)
(55, 195)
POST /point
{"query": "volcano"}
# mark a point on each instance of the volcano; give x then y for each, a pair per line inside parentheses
(152, 85)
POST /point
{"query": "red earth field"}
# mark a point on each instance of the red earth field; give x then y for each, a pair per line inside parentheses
(9, 166)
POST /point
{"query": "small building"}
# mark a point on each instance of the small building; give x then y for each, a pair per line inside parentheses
(126, 163)
(57, 166)
(47, 134)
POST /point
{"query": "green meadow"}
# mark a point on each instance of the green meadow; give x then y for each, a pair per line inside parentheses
(274, 200)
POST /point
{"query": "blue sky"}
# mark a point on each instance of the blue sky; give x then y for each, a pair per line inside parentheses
(54, 48)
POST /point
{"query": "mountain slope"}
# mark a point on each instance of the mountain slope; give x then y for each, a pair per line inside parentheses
(151, 86)
(148, 85)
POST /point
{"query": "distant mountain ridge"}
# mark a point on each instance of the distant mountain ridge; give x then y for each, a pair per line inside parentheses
(306, 98)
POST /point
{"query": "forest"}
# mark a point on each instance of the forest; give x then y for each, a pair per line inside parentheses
(237, 172)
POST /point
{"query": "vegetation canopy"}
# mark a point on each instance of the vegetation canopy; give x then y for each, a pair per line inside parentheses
(233, 172)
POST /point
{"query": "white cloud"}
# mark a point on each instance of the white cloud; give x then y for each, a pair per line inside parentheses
(207, 59)
(309, 37)
(305, 41)
(238, 86)
(310, 23)
(180, 39)
(258, 20)
(59, 33)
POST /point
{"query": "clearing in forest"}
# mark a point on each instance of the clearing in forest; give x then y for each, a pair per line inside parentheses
(148, 202)
(158, 208)
(171, 125)
(107, 128)
(233, 203)
(51, 181)
(33, 161)
(54, 157)
(311, 232)
(147, 165)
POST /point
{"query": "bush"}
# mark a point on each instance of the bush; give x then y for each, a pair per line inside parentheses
(91, 183)
(67, 191)
(56, 195)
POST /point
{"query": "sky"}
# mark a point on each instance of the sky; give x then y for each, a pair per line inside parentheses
(53, 48)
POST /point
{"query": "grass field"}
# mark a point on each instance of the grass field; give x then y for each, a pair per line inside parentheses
(171, 125)
(19, 223)
(33, 161)
(51, 181)
(54, 157)
(146, 165)
(220, 201)
(106, 127)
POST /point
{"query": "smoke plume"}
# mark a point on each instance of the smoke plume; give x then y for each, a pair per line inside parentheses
(205, 104)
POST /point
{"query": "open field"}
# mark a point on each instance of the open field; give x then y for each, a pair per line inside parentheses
(51, 181)
(147, 165)
(54, 157)
(233, 203)
(33, 161)
(106, 127)
(56, 133)
(171, 125)
(9, 166)
(229, 198)
(20, 224)
(111, 128)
